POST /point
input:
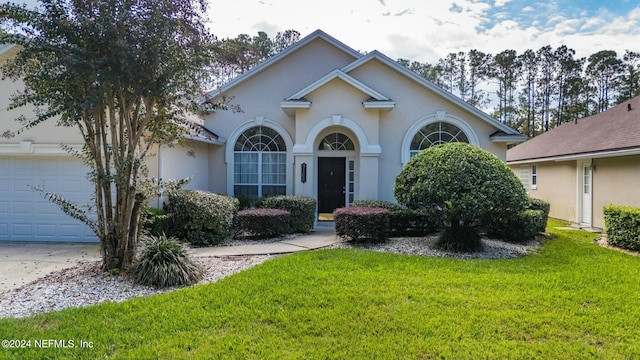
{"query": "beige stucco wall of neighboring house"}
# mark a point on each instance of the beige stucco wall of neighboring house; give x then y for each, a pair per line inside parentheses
(615, 181)
(556, 184)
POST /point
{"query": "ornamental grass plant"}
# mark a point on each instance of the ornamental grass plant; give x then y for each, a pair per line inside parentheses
(163, 262)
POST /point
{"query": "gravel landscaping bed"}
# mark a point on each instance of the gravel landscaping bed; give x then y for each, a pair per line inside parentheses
(85, 284)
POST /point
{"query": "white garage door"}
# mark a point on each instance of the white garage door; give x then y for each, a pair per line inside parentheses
(25, 214)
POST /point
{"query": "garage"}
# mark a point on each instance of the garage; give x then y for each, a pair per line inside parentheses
(26, 215)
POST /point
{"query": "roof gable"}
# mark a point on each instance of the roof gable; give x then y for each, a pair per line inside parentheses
(318, 34)
(434, 88)
(338, 74)
(614, 130)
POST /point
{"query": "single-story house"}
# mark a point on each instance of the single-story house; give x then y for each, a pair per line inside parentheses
(582, 166)
(319, 119)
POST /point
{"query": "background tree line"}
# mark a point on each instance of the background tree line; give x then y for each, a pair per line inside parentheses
(536, 90)
(532, 91)
(234, 56)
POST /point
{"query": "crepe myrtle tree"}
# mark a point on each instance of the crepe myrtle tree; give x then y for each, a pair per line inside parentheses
(125, 74)
(466, 184)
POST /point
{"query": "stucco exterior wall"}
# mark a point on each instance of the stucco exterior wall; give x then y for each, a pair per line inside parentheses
(217, 170)
(261, 96)
(557, 183)
(192, 159)
(337, 105)
(615, 182)
(46, 132)
(413, 104)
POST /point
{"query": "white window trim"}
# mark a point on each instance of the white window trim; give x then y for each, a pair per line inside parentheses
(436, 117)
(258, 121)
(533, 176)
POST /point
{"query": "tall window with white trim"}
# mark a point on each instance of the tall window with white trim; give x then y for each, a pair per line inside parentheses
(534, 177)
(260, 163)
(436, 133)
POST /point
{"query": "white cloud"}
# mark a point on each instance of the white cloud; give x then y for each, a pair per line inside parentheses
(501, 3)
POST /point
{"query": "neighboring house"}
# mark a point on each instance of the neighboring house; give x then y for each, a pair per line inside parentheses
(582, 166)
(318, 119)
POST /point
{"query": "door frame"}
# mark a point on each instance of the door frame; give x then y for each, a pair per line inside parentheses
(583, 205)
(344, 182)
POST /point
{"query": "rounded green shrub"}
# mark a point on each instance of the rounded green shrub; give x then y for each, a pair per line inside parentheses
(301, 208)
(261, 223)
(465, 185)
(200, 217)
(162, 262)
(356, 223)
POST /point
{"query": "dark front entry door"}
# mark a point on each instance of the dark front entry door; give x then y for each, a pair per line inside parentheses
(331, 183)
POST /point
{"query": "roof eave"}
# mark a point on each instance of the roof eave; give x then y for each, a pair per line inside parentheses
(219, 141)
(589, 155)
(384, 105)
(510, 139)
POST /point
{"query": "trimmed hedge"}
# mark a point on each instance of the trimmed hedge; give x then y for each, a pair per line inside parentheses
(261, 223)
(520, 227)
(357, 222)
(301, 208)
(378, 204)
(623, 226)
(545, 207)
(200, 217)
(403, 221)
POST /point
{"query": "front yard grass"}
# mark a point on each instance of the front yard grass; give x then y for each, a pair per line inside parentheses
(570, 299)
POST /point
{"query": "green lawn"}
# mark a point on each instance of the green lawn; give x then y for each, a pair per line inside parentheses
(570, 300)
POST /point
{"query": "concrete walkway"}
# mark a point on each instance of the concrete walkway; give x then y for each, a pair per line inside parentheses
(322, 236)
(23, 262)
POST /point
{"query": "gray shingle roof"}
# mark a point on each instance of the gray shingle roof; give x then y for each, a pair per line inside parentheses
(612, 130)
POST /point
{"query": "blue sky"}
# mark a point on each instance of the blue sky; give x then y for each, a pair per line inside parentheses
(426, 30)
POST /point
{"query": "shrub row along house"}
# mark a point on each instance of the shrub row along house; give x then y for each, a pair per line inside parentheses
(583, 166)
(319, 119)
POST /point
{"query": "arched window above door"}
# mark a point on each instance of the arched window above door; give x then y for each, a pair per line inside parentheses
(336, 141)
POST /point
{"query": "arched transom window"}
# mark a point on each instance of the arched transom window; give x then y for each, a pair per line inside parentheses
(260, 163)
(436, 133)
(336, 141)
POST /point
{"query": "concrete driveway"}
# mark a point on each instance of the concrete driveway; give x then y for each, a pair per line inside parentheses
(21, 263)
